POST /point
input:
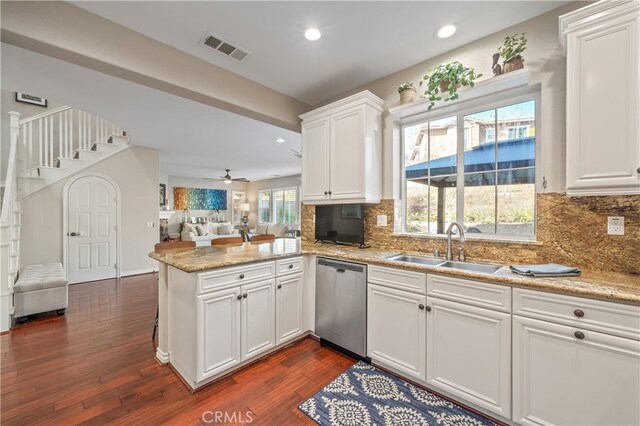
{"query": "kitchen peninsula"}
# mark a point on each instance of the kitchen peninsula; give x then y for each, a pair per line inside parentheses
(222, 306)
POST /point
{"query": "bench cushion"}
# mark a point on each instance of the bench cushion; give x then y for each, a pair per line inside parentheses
(40, 277)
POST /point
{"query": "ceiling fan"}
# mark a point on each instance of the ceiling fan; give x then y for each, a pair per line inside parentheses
(227, 178)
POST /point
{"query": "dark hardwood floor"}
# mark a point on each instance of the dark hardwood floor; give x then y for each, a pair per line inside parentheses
(95, 365)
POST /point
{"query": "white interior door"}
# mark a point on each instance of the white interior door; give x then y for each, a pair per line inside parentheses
(91, 230)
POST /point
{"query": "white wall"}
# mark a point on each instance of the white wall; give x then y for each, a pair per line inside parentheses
(546, 65)
(135, 171)
(187, 182)
(254, 187)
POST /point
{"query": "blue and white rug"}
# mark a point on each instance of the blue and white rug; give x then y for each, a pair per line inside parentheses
(364, 395)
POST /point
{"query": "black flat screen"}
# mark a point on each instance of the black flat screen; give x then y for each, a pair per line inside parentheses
(341, 223)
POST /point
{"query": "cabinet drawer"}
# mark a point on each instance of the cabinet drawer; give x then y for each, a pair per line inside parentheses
(289, 266)
(607, 317)
(475, 293)
(236, 275)
(398, 278)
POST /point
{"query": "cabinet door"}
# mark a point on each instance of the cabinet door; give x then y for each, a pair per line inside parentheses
(315, 160)
(288, 308)
(396, 330)
(603, 130)
(563, 380)
(469, 354)
(347, 155)
(258, 315)
(218, 343)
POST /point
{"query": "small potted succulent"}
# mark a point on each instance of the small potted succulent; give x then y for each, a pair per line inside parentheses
(408, 92)
(444, 80)
(511, 52)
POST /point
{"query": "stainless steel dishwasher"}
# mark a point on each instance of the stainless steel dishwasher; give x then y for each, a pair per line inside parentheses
(341, 304)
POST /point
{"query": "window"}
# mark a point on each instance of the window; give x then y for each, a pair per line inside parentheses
(278, 205)
(491, 189)
(285, 205)
(237, 198)
(264, 206)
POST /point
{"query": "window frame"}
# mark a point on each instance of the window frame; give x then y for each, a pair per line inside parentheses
(459, 111)
(284, 190)
(270, 192)
(234, 205)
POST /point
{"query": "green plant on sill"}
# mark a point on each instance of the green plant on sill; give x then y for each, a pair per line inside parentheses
(406, 86)
(512, 47)
(454, 74)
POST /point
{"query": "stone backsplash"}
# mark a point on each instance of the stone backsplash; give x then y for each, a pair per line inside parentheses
(570, 231)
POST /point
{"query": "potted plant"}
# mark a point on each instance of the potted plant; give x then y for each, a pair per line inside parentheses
(408, 92)
(511, 52)
(444, 80)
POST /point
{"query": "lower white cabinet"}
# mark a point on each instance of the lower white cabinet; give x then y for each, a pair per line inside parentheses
(469, 354)
(564, 375)
(396, 330)
(234, 324)
(218, 337)
(258, 314)
(289, 308)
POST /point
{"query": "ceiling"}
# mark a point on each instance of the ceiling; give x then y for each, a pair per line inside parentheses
(195, 140)
(361, 41)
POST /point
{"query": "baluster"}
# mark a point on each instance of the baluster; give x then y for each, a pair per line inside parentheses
(90, 138)
(51, 142)
(30, 162)
(60, 138)
(40, 136)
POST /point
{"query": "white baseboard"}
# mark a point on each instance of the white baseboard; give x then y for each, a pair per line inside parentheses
(138, 272)
(162, 356)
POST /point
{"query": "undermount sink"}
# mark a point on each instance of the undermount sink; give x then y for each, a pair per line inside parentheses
(467, 266)
(416, 259)
(434, 261)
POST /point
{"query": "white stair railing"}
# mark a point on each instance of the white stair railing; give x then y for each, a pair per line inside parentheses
(59, 133)
(10, 217)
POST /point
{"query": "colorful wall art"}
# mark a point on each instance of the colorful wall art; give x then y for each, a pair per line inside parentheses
(199, 199)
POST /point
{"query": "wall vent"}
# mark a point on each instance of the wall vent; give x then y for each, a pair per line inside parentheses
(224, 47)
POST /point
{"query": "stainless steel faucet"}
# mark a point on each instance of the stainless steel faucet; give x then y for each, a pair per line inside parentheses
(460, 230)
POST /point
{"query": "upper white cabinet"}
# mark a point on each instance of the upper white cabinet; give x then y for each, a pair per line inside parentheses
(603, 94)
(342, 151)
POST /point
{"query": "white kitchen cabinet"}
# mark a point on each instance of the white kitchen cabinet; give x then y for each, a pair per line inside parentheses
(469, 354)
(218, 340)
(258, 318)
(289, 308)
(396, 330)
(603, 96)
(564, 375)
(342, 151)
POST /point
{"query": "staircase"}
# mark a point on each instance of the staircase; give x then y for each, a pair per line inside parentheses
(44, 149)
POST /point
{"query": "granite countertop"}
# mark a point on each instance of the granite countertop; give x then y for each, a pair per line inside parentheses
(214, 257)
(611, 286)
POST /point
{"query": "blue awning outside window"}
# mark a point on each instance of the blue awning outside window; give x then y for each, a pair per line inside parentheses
(512, 154)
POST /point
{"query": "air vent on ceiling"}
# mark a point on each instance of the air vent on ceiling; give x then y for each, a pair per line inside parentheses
(224, 47)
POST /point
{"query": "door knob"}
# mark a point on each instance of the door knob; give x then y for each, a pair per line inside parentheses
(329, 192)
(239, 297)
(325, 193)
(579, 335)
(279, 286)
(74, 234)
(290, 266)
(244, 296)
(421, 306)
(428, 308)
(579, 313)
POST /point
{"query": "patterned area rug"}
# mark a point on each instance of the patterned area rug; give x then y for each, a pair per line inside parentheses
(364, 395)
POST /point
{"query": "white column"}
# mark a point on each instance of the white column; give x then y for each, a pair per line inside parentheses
(162, 351)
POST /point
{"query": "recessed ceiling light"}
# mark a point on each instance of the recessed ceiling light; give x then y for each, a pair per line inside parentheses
(312, 34)
(446, 31)
(280, 140)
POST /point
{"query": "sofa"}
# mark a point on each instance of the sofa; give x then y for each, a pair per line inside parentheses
(203, 233)
(280, 230)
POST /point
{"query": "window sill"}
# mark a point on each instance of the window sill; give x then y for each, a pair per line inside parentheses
(486, 239)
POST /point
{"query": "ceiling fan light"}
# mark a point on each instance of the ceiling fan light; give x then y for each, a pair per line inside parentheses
(227, 181)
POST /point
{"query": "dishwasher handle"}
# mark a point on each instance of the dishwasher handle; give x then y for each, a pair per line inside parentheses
(341, 266)
(342, 270)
